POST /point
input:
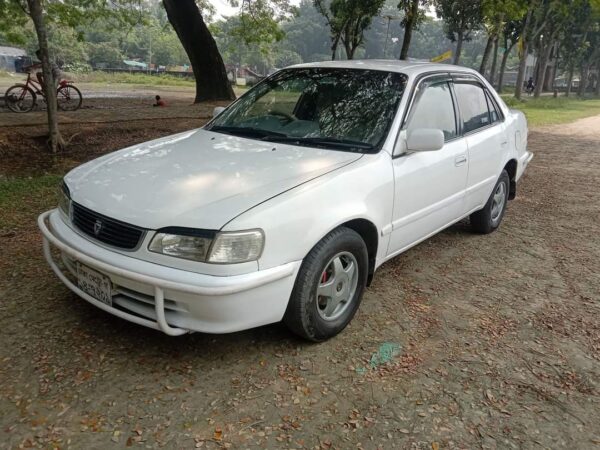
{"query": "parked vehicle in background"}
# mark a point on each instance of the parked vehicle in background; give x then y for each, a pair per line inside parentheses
(284, 206)
(22, 98)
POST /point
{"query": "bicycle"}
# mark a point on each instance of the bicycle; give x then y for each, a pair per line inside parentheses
(22, 98)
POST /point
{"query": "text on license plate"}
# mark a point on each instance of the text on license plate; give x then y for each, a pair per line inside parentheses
(94, 283)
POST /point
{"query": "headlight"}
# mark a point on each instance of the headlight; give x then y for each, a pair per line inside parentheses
(210, 247)
(238, 247)
(181, 246)
(64, 199)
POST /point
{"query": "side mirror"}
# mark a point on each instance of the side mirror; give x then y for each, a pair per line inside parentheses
(425, 140)
(218, 110)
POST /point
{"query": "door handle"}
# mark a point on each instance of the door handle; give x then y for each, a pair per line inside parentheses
(460, 160)
(504, 144)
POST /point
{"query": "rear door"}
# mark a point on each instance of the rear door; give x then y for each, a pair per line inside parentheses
(483, 127)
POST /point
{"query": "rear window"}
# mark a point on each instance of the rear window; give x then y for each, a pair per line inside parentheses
(473, 106)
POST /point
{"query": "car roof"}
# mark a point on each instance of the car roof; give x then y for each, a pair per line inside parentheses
(410, 68)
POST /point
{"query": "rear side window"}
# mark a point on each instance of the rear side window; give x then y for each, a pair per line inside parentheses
(434, 108)
(494, 113)
(473, 105)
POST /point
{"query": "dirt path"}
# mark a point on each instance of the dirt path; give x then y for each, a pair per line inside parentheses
(494, 343)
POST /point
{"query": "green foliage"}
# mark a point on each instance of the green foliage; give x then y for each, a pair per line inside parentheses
(348, 20)
(104, 53)
(406, 7)
(306, 33)
(259, 22)
(461, 17)
(142, 33)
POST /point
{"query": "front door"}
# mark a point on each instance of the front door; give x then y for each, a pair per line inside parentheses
(429, 186)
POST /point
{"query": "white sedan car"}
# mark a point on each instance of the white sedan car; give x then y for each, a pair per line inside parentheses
(287, 202)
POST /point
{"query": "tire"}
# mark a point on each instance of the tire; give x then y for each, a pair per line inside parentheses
(68, 98)
(327, 270)
(20, 98)
(488, 219)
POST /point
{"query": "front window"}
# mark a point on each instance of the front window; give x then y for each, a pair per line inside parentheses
(434, 108)
(341, 109)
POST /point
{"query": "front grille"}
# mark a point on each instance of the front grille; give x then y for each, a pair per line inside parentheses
(104, 229)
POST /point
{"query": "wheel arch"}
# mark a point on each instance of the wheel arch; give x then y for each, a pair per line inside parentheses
(511, 169)
(369, 234)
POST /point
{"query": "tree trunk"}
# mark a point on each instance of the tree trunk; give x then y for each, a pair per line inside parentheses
(347, 49)
(542, 69)
(583, 83)
(494, 61)
(486, 54)
(459, 45)
(523, 57)
(211, 77)
(408, 29)
(503, 65)
(37, 16)
(570, 80)
(521, 74)
(334, 47)
(597, 90)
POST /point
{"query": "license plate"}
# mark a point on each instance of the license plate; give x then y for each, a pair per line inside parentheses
(95, 284)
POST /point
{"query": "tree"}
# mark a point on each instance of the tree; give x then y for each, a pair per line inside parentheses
(530, 28)
(72, 13)
(461, 18)
(414, 14)
(510, 35)
(335, 23)
(589, 54)
(557, 15)
(306, 32)
(496, 14)
(211, 77)
(348, 20)
(36, 13)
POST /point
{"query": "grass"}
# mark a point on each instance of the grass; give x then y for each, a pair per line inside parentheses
(132, 78)
(22, 197)
(552, 111)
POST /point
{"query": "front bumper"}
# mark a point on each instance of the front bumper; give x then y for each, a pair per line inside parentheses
(171, 300)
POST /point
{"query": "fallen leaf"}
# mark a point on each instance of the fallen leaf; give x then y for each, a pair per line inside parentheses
(218, 434)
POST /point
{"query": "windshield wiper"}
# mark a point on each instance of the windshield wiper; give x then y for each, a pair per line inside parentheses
(247, 132)
(321, 141)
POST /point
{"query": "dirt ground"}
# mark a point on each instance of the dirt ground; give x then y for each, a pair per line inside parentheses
(465, 341)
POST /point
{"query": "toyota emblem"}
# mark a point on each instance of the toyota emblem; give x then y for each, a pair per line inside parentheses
(97, 227)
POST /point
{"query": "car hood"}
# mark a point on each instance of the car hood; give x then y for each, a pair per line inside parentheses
(196, 179)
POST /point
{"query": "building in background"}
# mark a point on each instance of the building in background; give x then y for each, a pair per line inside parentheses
(11, 58)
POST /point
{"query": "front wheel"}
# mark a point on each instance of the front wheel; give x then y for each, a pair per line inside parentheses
(20, 98)
(329, 286)
(489, 218)
(68, 98)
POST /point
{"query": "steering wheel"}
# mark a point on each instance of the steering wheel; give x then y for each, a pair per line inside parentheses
(289, 117)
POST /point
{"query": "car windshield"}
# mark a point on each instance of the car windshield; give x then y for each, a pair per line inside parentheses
(341, 109)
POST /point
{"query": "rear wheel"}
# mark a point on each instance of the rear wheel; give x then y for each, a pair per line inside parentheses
(19, 98)
(68, 98)
(489, 218)
(329, 286)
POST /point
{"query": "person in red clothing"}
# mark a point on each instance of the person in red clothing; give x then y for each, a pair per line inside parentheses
(159, 101)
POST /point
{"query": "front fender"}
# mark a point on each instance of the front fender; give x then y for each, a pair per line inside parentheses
(296, 220)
